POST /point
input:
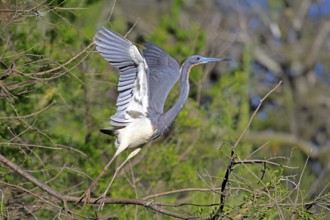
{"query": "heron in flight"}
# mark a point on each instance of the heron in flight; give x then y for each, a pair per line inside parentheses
(144, 83)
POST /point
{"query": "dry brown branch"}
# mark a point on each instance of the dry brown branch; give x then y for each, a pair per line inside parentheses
(262, 162)
(233, 156)
(179, 191)
(29, 115)
(57, 67)
(65, 198)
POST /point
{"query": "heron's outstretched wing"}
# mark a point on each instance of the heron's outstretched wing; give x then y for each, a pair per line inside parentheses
(132, 101)
(163, 73)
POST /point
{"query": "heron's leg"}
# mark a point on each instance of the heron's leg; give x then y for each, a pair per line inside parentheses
(87, 193)
(130, 156)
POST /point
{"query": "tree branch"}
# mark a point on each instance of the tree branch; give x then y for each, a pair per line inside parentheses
(179, 191)
(65, 198)
(57, 67)
(233, 156)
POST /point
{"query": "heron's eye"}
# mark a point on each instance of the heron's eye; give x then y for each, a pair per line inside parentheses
(198, 58)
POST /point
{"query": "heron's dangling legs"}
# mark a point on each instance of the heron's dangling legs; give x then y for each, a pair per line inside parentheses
(130, 156)
(87, 193)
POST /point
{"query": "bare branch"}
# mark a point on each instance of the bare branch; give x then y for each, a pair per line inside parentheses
(262, 162)
(179, 191)
(233, 156)
(66, 198)
(57, 67)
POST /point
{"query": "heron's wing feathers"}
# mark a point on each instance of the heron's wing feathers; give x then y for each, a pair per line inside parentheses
(132, 101)
(163, 74)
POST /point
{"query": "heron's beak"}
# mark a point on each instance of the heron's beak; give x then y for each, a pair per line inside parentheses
(210, 59)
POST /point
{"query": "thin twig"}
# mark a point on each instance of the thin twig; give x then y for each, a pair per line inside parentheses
(67, 198)
(58, 67)
(179, 191)
(233, 156)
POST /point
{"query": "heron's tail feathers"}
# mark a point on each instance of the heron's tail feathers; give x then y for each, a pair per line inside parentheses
(108, 131)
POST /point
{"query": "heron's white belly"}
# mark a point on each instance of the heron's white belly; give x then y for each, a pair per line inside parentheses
(136, 133)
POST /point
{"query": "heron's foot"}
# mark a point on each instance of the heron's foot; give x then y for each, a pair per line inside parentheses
(100, 200)
(85, 197)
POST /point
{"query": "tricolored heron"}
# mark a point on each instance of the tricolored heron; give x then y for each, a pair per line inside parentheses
(144, 84)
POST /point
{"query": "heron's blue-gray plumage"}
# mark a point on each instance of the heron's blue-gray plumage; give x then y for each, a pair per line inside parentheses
(144, 84)
(123, 55)
(164, 72)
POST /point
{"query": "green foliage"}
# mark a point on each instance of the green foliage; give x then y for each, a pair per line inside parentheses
(174, 39)
(50, 122)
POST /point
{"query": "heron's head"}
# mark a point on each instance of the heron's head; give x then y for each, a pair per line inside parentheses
(196, 60)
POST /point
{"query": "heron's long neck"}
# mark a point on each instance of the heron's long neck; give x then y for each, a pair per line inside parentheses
(171, 114)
